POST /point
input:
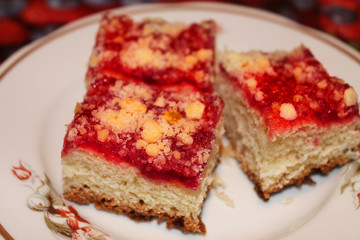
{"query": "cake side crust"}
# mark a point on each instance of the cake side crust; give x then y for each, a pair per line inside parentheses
(107, 203)
(303, 177)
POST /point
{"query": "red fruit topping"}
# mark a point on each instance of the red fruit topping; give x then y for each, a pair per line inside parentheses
(155, 51)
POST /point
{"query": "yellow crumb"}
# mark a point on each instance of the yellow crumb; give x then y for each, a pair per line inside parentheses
(151, 131)
(133, 106)
(322, 84)
(177, 155)
(185, 138)
(224, 197)
(102, 135)
(172, 116)
(195, 110)
(152, 149)
(350, 97)
(287, 111)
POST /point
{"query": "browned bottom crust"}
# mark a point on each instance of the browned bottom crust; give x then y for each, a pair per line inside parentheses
(136, 213)
(304, 177)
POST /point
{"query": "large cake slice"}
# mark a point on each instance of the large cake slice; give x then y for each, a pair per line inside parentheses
(285, 116)
(140, 146)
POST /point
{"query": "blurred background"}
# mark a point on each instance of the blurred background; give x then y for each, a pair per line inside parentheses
(23, 21)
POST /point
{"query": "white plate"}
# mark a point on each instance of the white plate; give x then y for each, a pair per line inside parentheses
(41, 83)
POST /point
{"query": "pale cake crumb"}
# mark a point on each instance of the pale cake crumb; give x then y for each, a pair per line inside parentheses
(218, 182)
(224, 197)
(287, 201)
(226, 152)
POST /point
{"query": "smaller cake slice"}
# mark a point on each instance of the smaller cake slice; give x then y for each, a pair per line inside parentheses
(285, 116)
(143, 150)
(154, 50)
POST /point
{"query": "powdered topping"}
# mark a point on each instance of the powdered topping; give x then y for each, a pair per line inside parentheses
(167, 133)
(155, 50)
(290, 89)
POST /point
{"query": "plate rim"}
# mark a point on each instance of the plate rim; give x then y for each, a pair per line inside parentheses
(27, 50)
(230, 8)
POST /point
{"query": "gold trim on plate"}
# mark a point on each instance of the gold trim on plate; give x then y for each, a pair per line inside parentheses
(5, 234)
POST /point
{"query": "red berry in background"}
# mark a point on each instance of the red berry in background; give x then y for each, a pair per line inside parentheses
(12, 33)
(40, 13)
(341, 18)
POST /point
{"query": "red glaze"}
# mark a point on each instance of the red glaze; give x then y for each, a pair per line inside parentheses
(319, 106)
(122, 148)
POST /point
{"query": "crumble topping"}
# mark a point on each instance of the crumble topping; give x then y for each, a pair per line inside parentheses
(350, 97)
(195, 110)
(240, 63)
(322, 84)
(159, 25)
(177, 155)
(154, 50)
(102, 135)
(251, 84)
(172, 116)
(287, 111)
(151, 132)
(290, 89)
(145, 54)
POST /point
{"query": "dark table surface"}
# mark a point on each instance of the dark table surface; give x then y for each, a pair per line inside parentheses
(23, 21)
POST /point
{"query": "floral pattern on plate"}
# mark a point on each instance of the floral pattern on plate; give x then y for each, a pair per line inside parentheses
(63, 220)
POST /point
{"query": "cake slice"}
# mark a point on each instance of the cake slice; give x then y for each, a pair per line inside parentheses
(286, 116)
(154, 50)
(145, 140)
(143, 150)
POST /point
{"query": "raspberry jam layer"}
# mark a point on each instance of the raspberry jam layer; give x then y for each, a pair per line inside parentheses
(291, 90)
(155, 51)
(167, 133)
